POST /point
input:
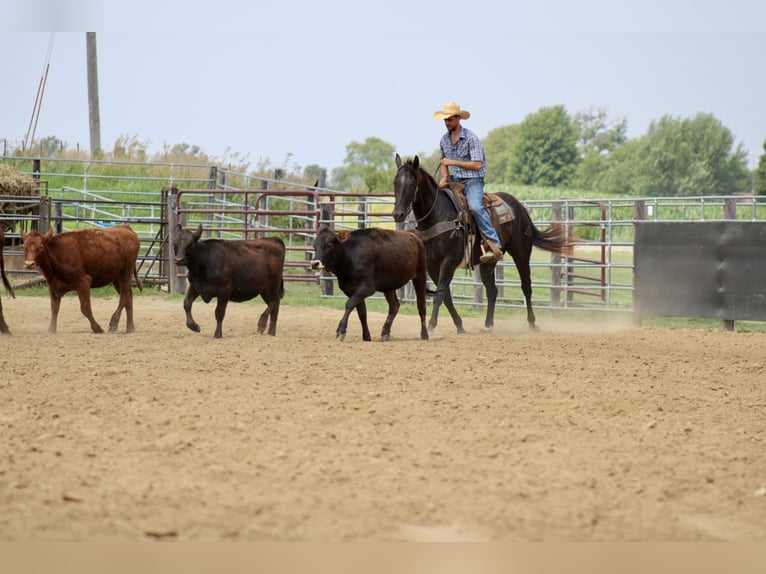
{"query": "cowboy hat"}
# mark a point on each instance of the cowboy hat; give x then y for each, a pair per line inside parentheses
(451, 109)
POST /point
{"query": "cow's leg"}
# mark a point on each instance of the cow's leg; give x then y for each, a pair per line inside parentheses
(273, 315)
(131, 327)
(83, 291)
(55, 306)
(115, 320)
(191, 295)
(220, 313)
(263, 319)
(356, 301)
(361, 311)
(393, 309)
(270, 314)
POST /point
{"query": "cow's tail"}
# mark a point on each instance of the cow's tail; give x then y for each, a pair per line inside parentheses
(281, 288)
(138, 281)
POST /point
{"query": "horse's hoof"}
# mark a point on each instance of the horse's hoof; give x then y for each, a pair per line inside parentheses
(340, 336)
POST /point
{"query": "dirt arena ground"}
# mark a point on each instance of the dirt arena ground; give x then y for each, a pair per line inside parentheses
(572, 433)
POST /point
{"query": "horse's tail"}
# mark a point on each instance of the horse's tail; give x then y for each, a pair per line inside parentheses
(553, 239)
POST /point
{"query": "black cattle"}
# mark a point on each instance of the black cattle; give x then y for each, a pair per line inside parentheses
(231, 271)
(370, 260)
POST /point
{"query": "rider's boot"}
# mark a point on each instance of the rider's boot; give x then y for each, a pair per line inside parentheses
(494, 254)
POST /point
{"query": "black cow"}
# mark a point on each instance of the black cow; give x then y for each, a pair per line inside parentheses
(370, 260)
(232, 271)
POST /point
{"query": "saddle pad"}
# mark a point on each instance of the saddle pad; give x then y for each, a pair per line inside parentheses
(502, 210)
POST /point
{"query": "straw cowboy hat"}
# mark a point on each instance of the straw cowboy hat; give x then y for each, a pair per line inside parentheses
(451, 109)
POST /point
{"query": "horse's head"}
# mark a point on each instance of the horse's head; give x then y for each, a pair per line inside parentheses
(405, 186)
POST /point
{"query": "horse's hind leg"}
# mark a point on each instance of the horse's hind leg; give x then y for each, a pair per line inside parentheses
(526, 287)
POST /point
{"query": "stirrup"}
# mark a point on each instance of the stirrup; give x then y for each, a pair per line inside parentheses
(494, 254)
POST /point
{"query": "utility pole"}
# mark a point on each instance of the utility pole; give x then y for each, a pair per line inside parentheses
(93, 113)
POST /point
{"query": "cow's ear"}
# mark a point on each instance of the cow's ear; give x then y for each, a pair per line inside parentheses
(49, 233)
(198, 233)
(22, 235)
(398, 160)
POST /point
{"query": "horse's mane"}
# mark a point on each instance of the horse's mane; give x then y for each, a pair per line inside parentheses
(411, 163)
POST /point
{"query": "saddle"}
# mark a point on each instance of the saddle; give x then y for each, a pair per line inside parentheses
(499, 213)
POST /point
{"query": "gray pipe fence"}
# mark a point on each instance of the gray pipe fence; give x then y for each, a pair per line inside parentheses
(599, 276)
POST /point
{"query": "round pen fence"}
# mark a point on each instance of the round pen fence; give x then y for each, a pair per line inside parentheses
(598, 276)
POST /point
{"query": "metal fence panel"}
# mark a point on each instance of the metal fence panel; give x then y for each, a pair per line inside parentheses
(704, 269)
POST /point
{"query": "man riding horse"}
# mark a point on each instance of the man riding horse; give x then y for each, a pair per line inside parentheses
(461, 149)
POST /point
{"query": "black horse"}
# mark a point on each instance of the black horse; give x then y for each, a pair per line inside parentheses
(442, 226)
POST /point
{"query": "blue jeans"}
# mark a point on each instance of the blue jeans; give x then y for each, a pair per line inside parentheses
(474, 193)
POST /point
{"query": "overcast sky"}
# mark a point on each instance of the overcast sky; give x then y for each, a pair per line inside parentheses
(302, 79)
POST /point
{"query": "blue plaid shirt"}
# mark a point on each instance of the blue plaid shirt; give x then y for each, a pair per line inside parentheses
(467, 148)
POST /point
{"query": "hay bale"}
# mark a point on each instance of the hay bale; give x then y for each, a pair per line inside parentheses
(13, 182)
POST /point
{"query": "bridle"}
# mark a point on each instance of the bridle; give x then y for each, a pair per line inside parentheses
(414, 197)
(440, 226)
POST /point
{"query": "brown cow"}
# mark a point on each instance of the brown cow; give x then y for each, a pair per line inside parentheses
(3, 325)
(82, 260)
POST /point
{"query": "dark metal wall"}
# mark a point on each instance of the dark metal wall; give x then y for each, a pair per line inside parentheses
(706, 269)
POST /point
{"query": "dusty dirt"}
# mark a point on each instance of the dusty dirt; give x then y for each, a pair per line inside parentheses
(572, 433)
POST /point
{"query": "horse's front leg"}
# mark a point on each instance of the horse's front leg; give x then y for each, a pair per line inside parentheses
(442, 276)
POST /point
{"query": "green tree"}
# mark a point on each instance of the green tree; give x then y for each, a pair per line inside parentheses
(368, 167)
(623, 173)
(689, 157)
(546, 150)
(759, 177)
(597, 138)
(499, 147)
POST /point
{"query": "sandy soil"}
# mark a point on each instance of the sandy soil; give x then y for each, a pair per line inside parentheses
(572, 433)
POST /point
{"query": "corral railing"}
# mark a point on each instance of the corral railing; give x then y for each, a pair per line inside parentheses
(599, 275)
